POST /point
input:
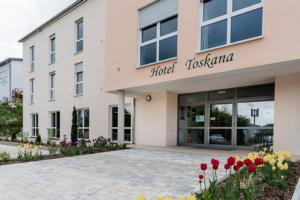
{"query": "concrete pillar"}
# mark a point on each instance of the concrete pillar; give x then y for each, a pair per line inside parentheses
(121, 113)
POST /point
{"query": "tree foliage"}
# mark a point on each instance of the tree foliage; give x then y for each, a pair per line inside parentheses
(74, 127)
(11, 118)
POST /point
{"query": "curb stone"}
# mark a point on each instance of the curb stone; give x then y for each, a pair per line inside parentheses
(296, 195)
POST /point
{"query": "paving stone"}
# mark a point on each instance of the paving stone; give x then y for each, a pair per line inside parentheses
(120, 175)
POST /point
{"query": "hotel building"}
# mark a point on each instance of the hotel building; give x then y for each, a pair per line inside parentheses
(203, 73)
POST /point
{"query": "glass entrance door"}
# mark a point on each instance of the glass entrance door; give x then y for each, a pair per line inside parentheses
(128, 123)
(192, 124)
(221, 124)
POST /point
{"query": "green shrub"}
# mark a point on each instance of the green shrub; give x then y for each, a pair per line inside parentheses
(4, 156)
(53, 150)
(38, 139)
(14, 136)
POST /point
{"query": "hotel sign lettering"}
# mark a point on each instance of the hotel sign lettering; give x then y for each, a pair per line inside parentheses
(191, 64)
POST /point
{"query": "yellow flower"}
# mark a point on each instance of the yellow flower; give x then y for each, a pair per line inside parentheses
(181, 198)
(141, 197)
(191, 197)
(168, 198)
(273, 168)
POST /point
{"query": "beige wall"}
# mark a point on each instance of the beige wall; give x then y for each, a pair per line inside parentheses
(277, 44)
(94, 98)
(287, 109)
(156, 121)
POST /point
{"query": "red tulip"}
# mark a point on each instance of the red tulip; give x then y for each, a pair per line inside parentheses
(247, 162)
(214, 162)
(201, 177)
(240, 163)
(236, 168)
(231, 160)
(251, 168)
(259, 161)
(215, 167)
(203, 166)
(226, 166)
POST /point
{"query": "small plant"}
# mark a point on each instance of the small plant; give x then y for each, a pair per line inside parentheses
(38, 139)
(53, 150)
(29, 153)
(14, 136)
(4, 156)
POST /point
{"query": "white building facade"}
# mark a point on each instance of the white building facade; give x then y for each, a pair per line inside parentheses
(64, 67)
(10, 78)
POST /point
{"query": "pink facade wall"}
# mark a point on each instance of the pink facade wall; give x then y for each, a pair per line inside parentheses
(280, 42)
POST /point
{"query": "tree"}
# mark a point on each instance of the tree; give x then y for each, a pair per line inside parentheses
(38, 139)
(74, 127)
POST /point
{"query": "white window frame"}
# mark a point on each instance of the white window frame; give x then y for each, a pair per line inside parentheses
(32, 58)
(77, 40)
(83, 128)
(32, 89)
(157, 40)
(53, 129)
(79, 82)
(52, 52)
(35, 126)
(52, 88)
(230, 14)
(126, 127)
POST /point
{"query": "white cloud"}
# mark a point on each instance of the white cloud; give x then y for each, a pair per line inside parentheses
(19, 17)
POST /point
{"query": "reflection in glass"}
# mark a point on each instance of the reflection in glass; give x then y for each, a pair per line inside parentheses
(114, 134)
(195, 136)
(239, 4)
(251, 137)
(220, 136)
(168, 26)
(214, 35)
(168, 48)
(148, 54)
(127, 135)
(262, 117)
(214, 8)
(195, 116)
(221, 115)
(247, 25)
(114, 116)
(148, 33)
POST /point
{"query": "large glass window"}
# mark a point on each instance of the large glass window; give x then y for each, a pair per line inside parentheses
(159, 41)
(79, 79)
(83, 123)
(31, 85)
(229, 21)
(32, 59)
(255, 123)
(127, 123)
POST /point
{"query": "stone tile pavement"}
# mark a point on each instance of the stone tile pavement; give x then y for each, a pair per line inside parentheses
(119, 175)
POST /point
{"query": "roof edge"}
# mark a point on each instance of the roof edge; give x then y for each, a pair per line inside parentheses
(53, 19)
(9, 60)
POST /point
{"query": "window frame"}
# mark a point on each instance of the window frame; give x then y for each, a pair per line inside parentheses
(52, 52)
(77, 40)
(55, 128)
(34, 124)
(156, 40)
(83, 128)
(52, 77)
(32, 58)
(230, 14)
(32, 89)
(78, 82)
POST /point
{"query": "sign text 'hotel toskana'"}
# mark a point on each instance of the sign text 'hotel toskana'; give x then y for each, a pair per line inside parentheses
(191, 64)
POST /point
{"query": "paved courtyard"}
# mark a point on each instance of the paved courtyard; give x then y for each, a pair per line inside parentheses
(119, 175)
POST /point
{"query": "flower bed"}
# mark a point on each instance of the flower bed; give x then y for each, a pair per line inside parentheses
(29, 152)
(251, 178)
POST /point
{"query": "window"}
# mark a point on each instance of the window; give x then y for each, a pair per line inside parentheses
(79, 35)
(52, 86)
(159, 41)
(79, 79)
(83, 123)
(3, 78)
(127, 123)
(32, 58)
(54, 130)
(229, 21)
(31, 85)
(34, 125)
(52, 49)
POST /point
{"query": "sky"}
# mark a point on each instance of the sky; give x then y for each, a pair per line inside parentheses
(19, 17)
